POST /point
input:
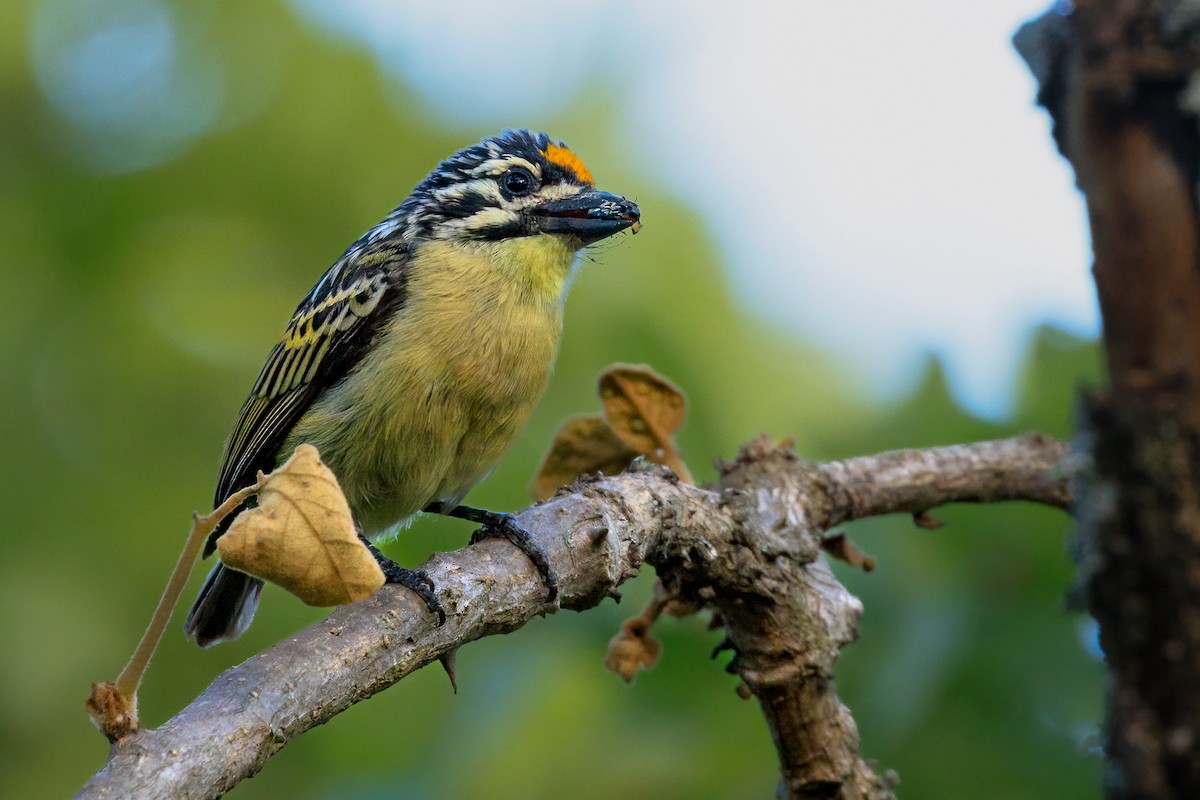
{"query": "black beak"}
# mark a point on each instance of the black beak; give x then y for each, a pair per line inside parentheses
(590, 216)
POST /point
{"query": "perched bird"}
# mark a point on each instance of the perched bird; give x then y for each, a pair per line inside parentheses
(416, 358)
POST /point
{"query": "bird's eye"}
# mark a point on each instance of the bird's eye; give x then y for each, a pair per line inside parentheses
(518, 182)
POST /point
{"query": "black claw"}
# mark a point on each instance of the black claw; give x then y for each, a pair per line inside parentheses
(413, 579)
(498, 524)
(505, 526)
(420, 583)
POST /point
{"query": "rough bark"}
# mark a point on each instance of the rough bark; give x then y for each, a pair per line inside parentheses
(1119, 78)
(749, 548)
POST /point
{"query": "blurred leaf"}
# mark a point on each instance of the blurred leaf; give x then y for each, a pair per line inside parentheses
(582, 445)
(632, 649)
(645, 409)
(642, 411)
(111, 711)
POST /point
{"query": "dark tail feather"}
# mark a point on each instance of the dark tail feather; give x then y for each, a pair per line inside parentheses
(224, 608)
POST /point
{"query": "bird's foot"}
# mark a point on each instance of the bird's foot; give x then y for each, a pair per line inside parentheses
(413, 579)
(500, 525)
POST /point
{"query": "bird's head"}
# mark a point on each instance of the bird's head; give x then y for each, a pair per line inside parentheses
(517, 184)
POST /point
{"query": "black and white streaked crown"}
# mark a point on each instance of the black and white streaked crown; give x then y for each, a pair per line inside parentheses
(466, 183)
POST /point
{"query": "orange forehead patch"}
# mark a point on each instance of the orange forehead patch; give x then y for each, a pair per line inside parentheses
(568, 161)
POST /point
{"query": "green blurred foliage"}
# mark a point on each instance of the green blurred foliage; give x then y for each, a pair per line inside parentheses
(138, 307)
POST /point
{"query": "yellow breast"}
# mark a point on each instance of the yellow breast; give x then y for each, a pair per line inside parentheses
(450, 379)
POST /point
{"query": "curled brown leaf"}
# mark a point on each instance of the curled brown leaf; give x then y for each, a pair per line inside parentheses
(645, 409)
(632, 649)
(301, 536)
(112, 711)
(582, 445)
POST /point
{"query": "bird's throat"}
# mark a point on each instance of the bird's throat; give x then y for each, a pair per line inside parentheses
(539, 265)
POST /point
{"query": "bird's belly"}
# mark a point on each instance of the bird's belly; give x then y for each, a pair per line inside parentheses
(434, 453)
(428, 414)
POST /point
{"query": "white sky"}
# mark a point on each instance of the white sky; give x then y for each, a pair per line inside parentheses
(894, 189)
(875, 173)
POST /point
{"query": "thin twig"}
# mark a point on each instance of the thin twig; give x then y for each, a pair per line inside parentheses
(113, 706)
(203, 525)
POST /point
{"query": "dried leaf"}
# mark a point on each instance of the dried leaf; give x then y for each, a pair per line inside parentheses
(645, 410)
(301, 536)
(631, 649)
(582, 445)
(114, 713)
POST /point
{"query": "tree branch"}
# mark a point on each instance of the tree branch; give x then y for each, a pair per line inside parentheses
(1028, 467)
(749, 548)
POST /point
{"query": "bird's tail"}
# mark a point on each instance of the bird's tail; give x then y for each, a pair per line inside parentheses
(224, 608)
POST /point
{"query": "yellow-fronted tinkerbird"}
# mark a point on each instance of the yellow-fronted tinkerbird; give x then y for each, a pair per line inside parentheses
(414, 361)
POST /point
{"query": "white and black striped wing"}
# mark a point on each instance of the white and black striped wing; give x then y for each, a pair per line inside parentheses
(326, 337)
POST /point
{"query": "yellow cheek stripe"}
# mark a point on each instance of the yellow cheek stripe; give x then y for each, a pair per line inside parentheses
(568, 161)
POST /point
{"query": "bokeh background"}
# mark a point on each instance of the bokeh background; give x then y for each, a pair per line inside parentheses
(857, 234)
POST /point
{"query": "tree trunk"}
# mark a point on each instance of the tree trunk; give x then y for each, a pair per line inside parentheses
(1115, 75)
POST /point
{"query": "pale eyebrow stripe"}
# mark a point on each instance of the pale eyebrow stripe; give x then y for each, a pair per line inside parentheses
(484, 187)
(495, 166)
